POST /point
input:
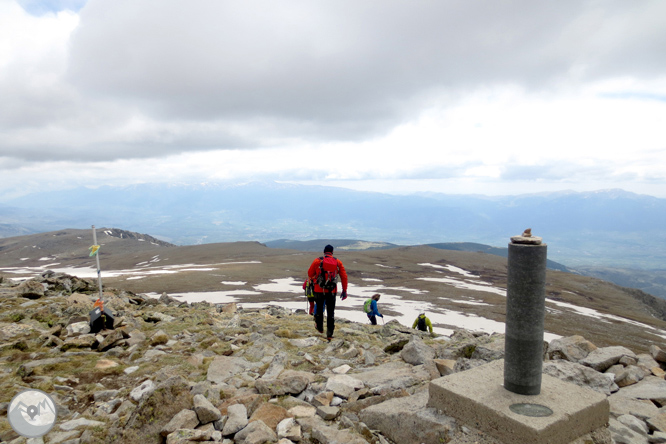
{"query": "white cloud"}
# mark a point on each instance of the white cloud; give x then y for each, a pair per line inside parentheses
(446, 95)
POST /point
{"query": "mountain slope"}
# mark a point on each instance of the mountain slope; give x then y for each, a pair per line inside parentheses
(609, 228)
(457, 287)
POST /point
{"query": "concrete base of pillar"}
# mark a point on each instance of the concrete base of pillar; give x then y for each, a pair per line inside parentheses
(477, 398)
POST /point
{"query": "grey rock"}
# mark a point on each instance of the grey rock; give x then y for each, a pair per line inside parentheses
(289, 382)
(276, 367)
(79, 423)
(343, 385)
(305, 342)
(188, 435)
(409, 421)
(223, 368)
(634, 424)
(145, 389)
(256, 432)
(110, 340)
(650, 387)
(27, 368)
(657, 438)
(416, 352)
(657, 353)
(646, 362)
(571, 348)
(391, 376)
(581, 375)
(622, 405)
(159, 338)
(78, 328)
(631, 375)
(328, 413)
(602, 358)
(236, 419)
(185, 419)
(105, 395)
(332, 435)
(136, 337)
(31, 289)
(289, 429)
(57, 437)
(657, 422)
(205, 410)
(622, 434)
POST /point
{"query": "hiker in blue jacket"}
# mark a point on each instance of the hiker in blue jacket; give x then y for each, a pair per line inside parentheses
(374, 312)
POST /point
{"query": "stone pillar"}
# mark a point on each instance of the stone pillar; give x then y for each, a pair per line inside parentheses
(525, 309)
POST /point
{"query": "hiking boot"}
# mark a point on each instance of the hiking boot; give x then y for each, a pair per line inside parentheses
(329, 338)
(320, 330)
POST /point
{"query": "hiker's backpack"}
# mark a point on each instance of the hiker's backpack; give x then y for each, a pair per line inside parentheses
(309, 291)
(367, 306)
(327, 278)
(422, 324)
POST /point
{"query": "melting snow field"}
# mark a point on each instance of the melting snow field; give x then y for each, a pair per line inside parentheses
(393, 299)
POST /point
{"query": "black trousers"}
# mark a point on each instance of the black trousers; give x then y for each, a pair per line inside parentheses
(329, 300)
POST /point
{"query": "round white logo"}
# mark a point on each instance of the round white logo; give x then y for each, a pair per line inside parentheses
(32, 413)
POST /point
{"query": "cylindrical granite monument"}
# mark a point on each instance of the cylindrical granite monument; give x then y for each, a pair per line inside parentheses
(525, 309)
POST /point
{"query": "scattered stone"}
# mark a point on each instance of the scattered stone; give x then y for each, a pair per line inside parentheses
(145, 389)
(328, 413)
(105, 395)
(304, 342)
(416, 352)
(110, 340)
(343, 385)
(445, 366)
(629, 376)
(657, 353)
(183, 436)
(205, 410)
(255, 433)
(78, 328)
(104, 364)
(622, 434)
(78, 423)
(409, 420)
(651, 388)
(602, 358)
(581, 375)
(237, 419)
(269, 414)
(640, 408)
(31, 289)
(185, 419)
(571, 348)
(634, 424)
(657, 422)
(289, 429)
(159, 338)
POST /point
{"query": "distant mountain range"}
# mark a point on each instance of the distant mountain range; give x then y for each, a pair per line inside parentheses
(610, 228)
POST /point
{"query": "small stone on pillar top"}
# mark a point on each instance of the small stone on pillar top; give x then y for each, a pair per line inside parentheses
(526, 238)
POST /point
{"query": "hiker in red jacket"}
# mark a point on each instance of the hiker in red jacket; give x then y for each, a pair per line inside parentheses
(324, 271)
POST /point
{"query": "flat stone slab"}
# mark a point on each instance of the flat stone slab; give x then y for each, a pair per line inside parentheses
(478, 398)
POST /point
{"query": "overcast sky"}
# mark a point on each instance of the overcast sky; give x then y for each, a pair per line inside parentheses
(453, 96)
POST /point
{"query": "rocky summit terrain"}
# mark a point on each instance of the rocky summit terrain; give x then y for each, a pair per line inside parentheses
(175, 372)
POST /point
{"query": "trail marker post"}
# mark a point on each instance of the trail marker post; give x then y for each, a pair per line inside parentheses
(100, 318)
(95, 252)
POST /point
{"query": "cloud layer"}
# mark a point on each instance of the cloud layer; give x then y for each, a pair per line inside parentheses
(502, 91)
